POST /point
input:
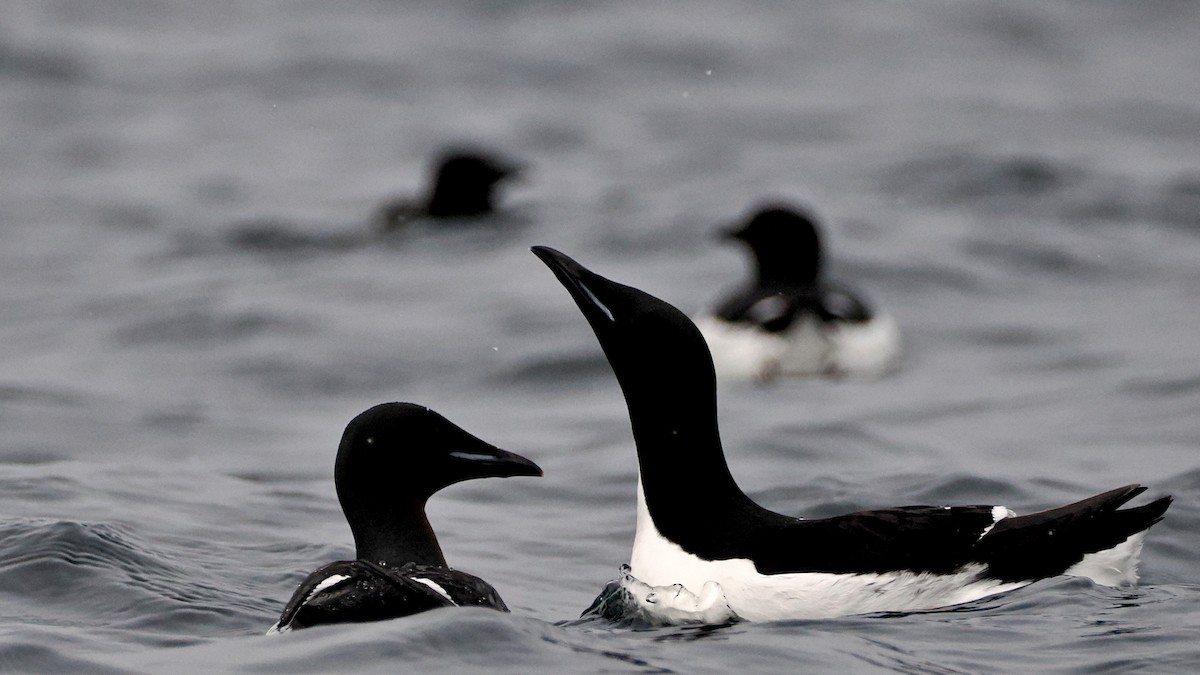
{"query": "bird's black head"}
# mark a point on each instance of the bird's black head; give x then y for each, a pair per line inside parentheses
(465, 182)
(396, 448)
(651, 345)
(392, 458)
(785, 244)
(663, 366)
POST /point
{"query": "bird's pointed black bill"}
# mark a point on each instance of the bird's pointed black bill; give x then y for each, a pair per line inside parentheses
(586, 287)
(496, 463)
(493, 462)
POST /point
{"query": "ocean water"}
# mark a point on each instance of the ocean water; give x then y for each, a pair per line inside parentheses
(1018, 183)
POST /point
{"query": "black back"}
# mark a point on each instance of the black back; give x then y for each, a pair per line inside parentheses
(372, 592)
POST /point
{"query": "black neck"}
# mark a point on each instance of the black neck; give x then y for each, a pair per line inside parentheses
(787, 269)
(398, 535)
(686, 480)
(459, 202)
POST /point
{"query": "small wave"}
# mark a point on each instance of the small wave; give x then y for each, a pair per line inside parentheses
(38, 65)
(1178, 202)
(1164, 386)
(1041, 258)
(627, 601)
(339, 374)
(967, 488)
(962, 177)
(565, 370)
(27, 656)
(20, 393)
(192, 325)
(73, 573)
(282, 237)
(445, 640)
(285, 238)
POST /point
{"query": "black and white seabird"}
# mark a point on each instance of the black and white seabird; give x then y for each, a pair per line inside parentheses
(392, 458)
(463, 186)
(695, 527)
(790, 319)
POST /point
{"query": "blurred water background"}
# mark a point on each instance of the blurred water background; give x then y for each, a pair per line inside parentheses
(1017, 182)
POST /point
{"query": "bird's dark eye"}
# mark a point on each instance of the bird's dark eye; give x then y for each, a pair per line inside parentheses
(370, 440)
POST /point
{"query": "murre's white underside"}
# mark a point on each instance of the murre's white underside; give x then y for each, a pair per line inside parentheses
(810, 347)
(736, 584)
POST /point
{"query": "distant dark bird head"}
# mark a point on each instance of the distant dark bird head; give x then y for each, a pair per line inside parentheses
(785, 244)
(392, 458)
(463, 185)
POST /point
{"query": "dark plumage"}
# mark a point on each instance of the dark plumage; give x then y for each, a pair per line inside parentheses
(392, 458)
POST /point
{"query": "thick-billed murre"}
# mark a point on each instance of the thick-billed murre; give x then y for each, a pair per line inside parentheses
(462, 188)
(695, 526)
(790, 319)
(392, 458)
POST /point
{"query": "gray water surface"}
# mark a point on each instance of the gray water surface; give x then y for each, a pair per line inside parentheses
(1018, 183)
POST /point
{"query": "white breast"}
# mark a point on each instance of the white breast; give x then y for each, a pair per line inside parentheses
(742, 351)
(809, 347)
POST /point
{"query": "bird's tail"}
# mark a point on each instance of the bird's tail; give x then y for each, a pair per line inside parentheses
(1093, 538)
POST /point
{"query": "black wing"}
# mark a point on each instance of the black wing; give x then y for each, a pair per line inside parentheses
(772, 309)
(935, 539)
(839, 303)
(776, 309)
(466, 590)
(941, 540)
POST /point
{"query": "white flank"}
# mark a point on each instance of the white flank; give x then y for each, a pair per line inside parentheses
(810, 595)
(866, 349)
(809, 347)
(1116, 566)
(437, 589)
